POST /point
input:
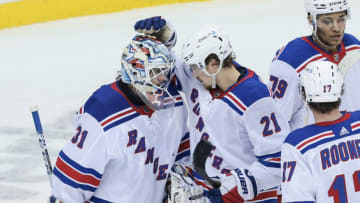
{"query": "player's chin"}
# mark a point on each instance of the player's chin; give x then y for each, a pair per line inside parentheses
(336, 40)
(207, 86)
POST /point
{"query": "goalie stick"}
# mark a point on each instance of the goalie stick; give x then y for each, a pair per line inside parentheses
(201, 152)
(39, 131)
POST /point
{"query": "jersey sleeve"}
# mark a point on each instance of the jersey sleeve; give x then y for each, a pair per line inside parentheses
(284, 83)
(267, 129)
(81, 162)
(297, 181)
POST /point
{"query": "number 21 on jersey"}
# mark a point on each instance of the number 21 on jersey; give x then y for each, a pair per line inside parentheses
(270, 125)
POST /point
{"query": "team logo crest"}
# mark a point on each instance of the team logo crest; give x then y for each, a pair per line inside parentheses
(336, 57)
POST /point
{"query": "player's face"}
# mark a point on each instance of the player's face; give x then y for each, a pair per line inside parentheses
(159, 77)
(204, 78)
(331, 28)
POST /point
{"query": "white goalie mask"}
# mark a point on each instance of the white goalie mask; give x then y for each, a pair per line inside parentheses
(209, 40)
(322, 82)
(147, 65)
(318, 7)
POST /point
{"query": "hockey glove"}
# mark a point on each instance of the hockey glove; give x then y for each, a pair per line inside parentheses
(183, 187)
(236, 186)
(158, 27)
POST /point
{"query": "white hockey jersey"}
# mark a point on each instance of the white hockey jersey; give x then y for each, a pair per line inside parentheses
(242, 123)
(121, 152)
(288, 64)
(321, 162)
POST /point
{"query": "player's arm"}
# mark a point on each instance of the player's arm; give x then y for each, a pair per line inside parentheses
(80, 165)
(283, 83)
(267, 130)
(297, 181)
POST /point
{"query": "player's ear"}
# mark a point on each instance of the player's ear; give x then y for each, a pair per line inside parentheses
(309, 19)
(213, 65)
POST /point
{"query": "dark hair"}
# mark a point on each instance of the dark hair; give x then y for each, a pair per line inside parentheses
(226, 63)
(324, 107)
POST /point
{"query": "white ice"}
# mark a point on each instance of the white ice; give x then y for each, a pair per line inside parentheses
(57, 65)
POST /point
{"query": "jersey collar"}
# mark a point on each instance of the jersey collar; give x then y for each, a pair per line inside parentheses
(334, 57)
(346, 116)
(246, 74)
(141, 109)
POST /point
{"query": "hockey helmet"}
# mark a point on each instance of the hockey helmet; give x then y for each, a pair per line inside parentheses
(317, 7)
(208, 40)
(322, 81)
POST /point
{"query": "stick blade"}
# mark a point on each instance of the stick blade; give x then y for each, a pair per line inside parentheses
(201, 153)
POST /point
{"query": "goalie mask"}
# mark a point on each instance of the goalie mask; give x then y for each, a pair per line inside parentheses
(147, 65)
(322, 82)
(209, 40)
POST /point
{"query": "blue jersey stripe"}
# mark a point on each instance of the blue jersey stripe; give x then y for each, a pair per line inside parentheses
(78, 166)
(270, 164)
(232, 106)
(274, 155)
(72, 183)
(182, 155)
(186, 136)
(120, 121)
(98, 200)
(315, 144)
(179, 103)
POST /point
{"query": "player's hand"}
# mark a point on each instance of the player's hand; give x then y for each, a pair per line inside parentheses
(236, 186)
(158, 27)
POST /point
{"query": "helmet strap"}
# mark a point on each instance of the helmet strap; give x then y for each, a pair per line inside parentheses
(213, 75)
(213, 82)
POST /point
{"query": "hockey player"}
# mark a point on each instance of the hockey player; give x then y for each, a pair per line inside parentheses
(233, 109)
(328, 41)
(321, 162)
(127, 135)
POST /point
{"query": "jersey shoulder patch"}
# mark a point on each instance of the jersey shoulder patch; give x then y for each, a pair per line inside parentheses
(109, 107)
(296, 52)
(246, 92)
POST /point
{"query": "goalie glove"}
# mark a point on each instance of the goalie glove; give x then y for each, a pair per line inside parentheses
(159, 28)
(183, 187)
(236, 186)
